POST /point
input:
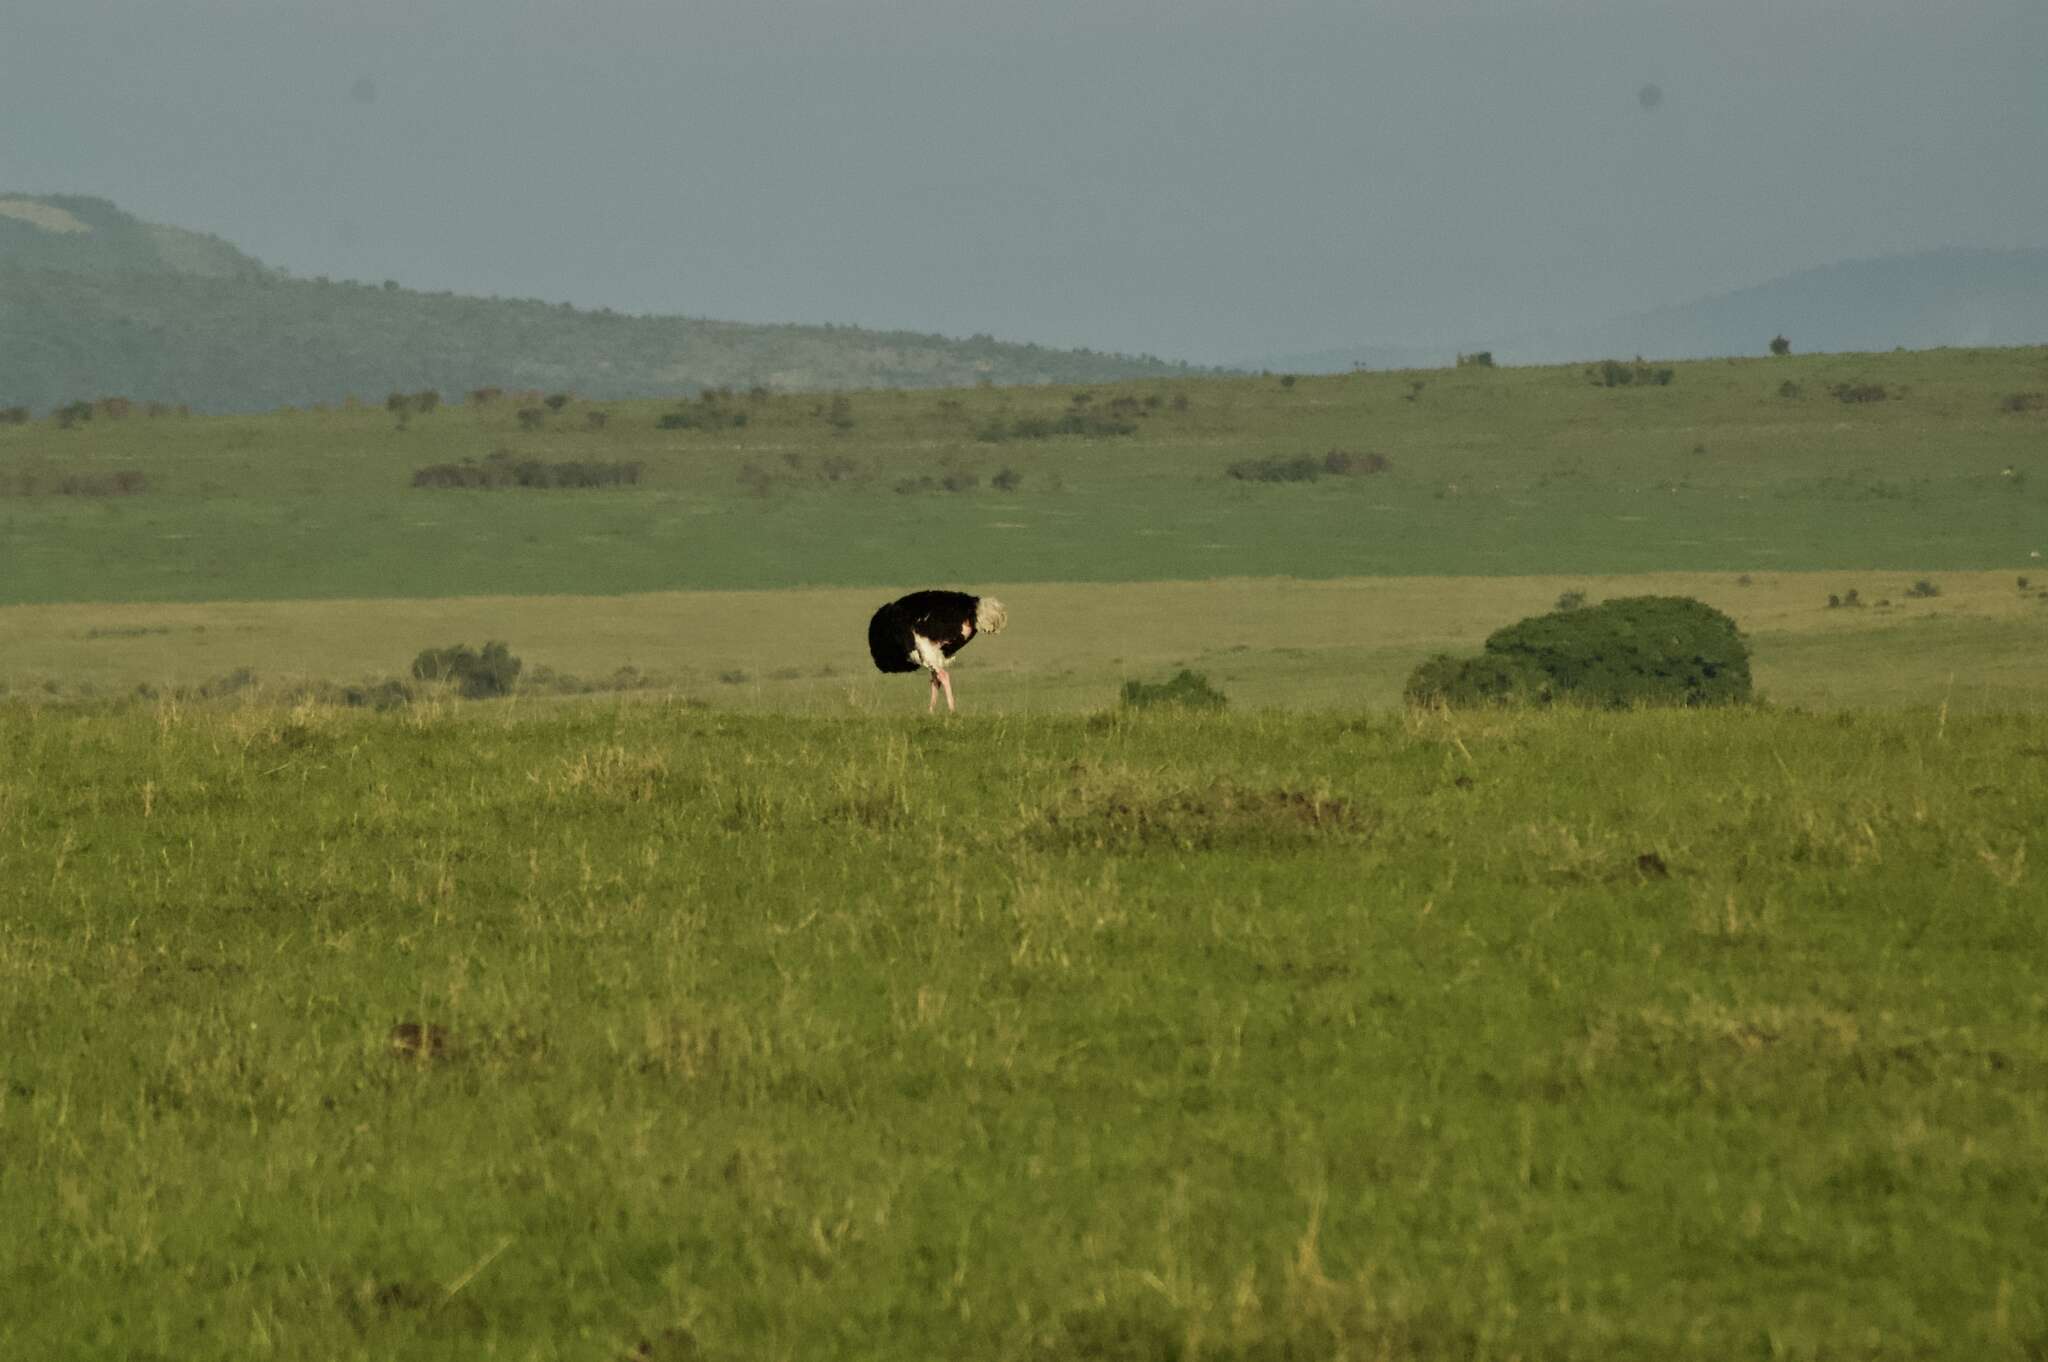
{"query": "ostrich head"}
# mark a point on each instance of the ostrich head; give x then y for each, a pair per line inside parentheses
(990, 616)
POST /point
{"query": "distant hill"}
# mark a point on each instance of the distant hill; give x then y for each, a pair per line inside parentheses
(95, 302)
(1916, 302)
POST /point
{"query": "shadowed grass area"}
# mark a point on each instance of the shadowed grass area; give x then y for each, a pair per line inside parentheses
(649, 1032)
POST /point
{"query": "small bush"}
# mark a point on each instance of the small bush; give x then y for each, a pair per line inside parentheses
(483, 397)
(478, 675)
(2019, 402)
(1478, 359)
(1570, 600)
(1187, 690)
(13, 416)
(532, 418)
(1923, 589)
(1612, 373)
(1300, 468)
(1342, 463)
(126, 482)
(1789, 389)
(1780, 346)
(502, 470)
(1009, 480)
(556, 401)
(1079, 420)
(1860, 392)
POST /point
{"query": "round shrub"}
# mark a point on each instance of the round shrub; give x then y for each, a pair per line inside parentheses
(1638, 650)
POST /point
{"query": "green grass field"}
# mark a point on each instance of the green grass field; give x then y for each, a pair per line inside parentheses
(738, 1011)
(1494, 472)
(1669, 1035)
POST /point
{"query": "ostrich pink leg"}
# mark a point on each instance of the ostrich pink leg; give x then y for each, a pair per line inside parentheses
(946, 680)
(933, 704)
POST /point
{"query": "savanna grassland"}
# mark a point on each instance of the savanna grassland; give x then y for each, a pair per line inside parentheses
(1490, 472)
(643, 1032)
(738, 1011)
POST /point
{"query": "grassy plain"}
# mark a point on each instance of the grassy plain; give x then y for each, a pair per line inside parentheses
(1680, 1035)
(1270, 643)
(1494, 472)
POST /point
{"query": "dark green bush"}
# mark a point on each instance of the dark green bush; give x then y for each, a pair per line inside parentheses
(478, 675)
(1638, 650)
(1472, 682)
(1635, 650)
(1187, 689)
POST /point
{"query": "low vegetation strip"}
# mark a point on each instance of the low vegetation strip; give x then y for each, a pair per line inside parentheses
(653, 1033)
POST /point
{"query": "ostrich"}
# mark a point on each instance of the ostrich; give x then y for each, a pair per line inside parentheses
(926, 628)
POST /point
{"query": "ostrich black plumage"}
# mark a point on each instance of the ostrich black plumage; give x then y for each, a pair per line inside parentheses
(924, 630)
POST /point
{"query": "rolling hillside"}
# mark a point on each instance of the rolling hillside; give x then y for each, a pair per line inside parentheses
(94, 302)
(1922, 301)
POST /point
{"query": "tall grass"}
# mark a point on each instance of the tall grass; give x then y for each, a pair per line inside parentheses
(650, 1032)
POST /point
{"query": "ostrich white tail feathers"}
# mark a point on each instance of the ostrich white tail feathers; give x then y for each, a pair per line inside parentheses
(990, 616)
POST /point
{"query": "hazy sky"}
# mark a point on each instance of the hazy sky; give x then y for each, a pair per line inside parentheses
(1189, 178)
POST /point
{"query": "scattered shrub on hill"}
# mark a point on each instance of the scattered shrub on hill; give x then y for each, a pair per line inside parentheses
(1478, 359)
(502, 469)
(556, 401)
(406, 404)
(1299, 468)
(1342, 463)
(478, 675)
(595, 419)
(1780, 346)
(1860, 392)
(838, 413)
(1612, 373)
(960, 480)
(2019, 402)
(1851, 599)
(532, 418)
(1009, 480)
(1789, 389)
(71, 413)
(114, 408)
(1186, 690)
(1637, 650)
(1923, 589)
(1079, 420)
(1570, 600)
(125, 482)
(1287, 380)
(13, 416)
(709, 412)
(483, 397)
